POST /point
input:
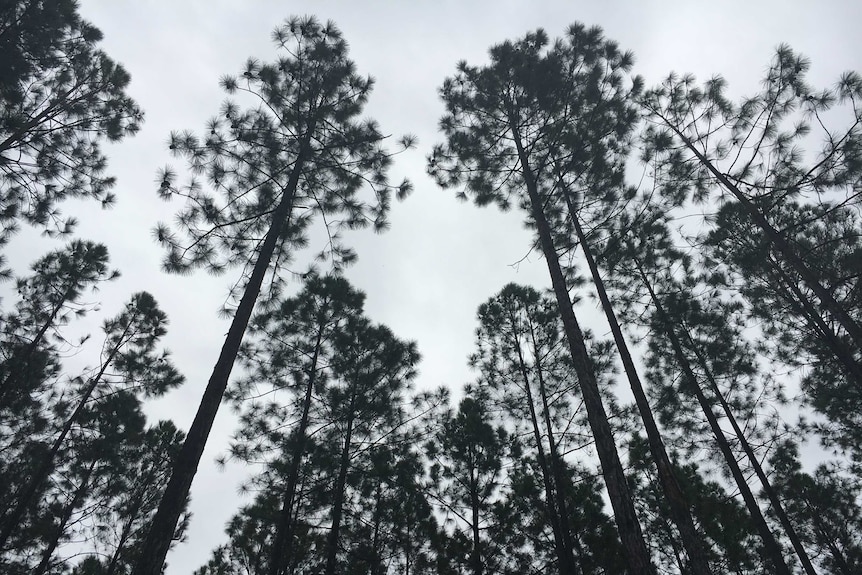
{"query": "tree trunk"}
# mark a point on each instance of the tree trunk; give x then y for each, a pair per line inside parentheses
(564, 552)
(338, 504)
(557, 471)
(161, 532)
(679, 506)
(284, 530)
(77, 498)
(777, 506)
(631, 536)
(773, 550)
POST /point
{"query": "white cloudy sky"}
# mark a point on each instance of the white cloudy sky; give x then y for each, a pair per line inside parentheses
(441, 259)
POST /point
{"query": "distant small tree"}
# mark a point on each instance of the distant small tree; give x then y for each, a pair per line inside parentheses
(289, 360)
(372, 370)
(466, 458)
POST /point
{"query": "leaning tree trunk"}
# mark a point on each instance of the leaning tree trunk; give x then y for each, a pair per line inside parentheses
(625, 516)
(680, 509)
(853, 329)
(557, 471)
(161, 532)
(562, 543)
(777, 506)
(280, 557)
(773, 549)
(77, 499)
(338, 504)
(838, 348)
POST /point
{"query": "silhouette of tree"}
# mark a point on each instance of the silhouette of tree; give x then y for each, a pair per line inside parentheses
(300, 152)
(499, 136)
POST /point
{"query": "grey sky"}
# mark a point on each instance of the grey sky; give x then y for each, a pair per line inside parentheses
(441, 259)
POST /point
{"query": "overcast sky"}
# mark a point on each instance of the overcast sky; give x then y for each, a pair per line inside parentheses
(426, 276)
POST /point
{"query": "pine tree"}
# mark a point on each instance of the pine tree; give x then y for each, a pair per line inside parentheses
(649, 265)
(291, 351)
(725, 523)
(801, 335)
(134, 493)
(524, 368)
(751, 152)
(466, 458)
(373, 368)
(301, 152)
(825, 506)
(497, 148)
(48, 299)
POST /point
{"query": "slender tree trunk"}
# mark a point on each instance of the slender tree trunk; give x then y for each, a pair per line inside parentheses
(375, 540)
(777, 506)
(625, 516)
(476, 555)
(853, 329)
(838, 348)
(564, 553)
(338, 503)
(45, 467)
(77, 498)
(679, 506)
(161, 532)
(773, 549)
(31, 347)
(559, 478)
(284, 530)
